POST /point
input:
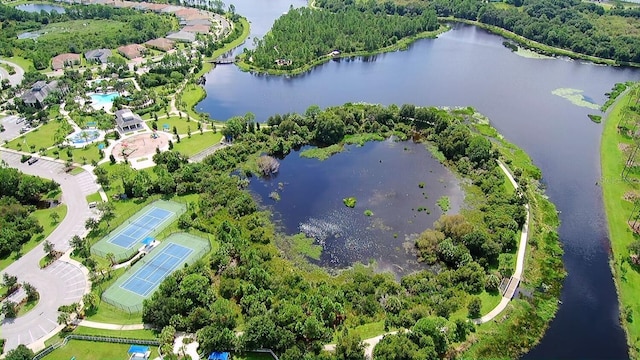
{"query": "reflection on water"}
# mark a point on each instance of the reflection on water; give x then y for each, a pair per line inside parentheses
(384, 177)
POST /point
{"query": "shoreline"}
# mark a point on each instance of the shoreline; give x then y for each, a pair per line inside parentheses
(401, 45)
(620, 235)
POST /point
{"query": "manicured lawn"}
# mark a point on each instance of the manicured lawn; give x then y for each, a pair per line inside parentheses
(192, 95)
(132, 334)
(182, 125)
(94, 197)
(42, 137)
(28, 306)
(197, 142)
(22, 62)
(618, 211)
(80, 156)
(44, 218)
(89, 350)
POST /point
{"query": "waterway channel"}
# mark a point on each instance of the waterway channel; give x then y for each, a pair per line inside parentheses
(469, 66)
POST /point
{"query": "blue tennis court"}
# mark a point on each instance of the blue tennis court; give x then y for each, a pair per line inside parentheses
(141, 227)
(156, 269)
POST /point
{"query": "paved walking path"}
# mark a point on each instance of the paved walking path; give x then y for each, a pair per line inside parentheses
(106, 326)
(517, 274)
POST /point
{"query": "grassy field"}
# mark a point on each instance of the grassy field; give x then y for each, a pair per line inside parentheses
(83, 330)
(197, 142)
(89, 350)
(55, 30)
(44, 218)
(82, 156)
(94, 197)
(181, 125)
(618, 210)
(25, 64)
(192, 95)
(41, 137)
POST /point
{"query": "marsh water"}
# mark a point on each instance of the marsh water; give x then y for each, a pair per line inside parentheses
(399, 182)
(468, 66)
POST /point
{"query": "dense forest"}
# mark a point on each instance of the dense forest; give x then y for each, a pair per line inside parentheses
(303, 35)
(19, 193)
(118, 27)
(282, 302)
(584, 27)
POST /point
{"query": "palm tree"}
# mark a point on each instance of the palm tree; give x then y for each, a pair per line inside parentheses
(64, 318)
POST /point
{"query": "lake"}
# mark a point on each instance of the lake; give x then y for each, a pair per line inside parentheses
(469, 66)
(40, 7)
(311, 193)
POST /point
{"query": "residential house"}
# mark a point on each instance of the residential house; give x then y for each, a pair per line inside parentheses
(182, 36)
(160, 44)
(197, 29)
(99, 56)
(127, 121)
(63, 60)
(131, 51)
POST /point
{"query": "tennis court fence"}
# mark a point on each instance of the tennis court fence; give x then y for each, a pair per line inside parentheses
(200, 246)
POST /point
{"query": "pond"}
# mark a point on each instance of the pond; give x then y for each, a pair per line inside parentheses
(470, 67)
(40, 7)
(385, 178)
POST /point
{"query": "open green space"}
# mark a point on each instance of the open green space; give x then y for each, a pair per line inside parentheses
(92, 350)
(181, 124)
(83, 156)
(44, 218)
(197, 143)
(191, 95)
(94, 197)
(41, 137)
(618, 194)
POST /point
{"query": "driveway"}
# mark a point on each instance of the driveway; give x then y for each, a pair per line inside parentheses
(61, 283)
(14, 79)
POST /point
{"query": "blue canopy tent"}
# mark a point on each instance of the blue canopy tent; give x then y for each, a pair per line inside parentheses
(219, 356)
(147, 241)
(138, 352)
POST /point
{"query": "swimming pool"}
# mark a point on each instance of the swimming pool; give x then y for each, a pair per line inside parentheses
(103, 101)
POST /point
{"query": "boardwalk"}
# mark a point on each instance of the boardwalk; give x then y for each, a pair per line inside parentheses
(208, 151)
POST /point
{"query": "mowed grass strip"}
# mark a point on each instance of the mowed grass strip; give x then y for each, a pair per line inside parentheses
(197, 143)
(618, 211)
(91, 350)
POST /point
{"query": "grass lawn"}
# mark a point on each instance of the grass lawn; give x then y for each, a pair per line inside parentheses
(181, 125)
(80, 156)
(25, 64)
(44, 218)
(192, 95)
(28, 306)
(618, 210)
(90, 350)
(83, 330)
(94, 197)
(42, 137)
(197, 142)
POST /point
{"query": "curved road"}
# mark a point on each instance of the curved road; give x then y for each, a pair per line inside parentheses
(14, 79)
(65, 281)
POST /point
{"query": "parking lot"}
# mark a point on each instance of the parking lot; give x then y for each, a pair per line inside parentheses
(12, 127)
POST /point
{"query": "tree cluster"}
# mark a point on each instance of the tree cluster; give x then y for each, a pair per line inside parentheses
(303, 35)
(19, 193)
(583, 27)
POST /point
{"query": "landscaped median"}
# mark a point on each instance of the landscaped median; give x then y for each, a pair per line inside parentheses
(620, 193)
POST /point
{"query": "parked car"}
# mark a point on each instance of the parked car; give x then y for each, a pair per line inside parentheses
(32, 160)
